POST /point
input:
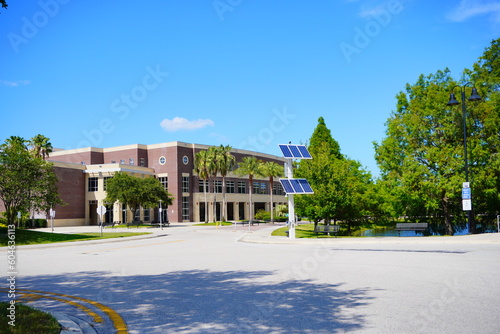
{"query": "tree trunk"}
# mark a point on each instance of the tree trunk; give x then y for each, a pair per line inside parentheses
(205, 184)
(272, 204)
(447, 218)
(224, 213)
(250, 196)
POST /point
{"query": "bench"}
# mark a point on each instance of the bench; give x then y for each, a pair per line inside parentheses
(410, 227)
(326, 229)
(154, 223)
(245, 222)
(135, 223)
(112, 224)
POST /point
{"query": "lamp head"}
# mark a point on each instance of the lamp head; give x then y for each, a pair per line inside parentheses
(474, 96)
(453, 101)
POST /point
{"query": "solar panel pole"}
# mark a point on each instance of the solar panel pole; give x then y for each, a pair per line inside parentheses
(291, 204)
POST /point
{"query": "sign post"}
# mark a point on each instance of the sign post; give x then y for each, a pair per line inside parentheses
(160, 211)
(52, 214)
(101, 211)
(466, 197)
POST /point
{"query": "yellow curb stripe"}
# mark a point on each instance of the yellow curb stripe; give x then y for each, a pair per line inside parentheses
(97, 317)
(117, 320)
(109, 249)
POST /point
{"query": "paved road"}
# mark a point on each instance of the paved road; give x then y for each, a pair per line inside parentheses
(202, 280)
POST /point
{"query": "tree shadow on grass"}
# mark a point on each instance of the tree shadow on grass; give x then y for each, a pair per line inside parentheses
(201, 301)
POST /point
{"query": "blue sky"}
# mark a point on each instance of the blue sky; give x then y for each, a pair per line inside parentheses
(247, 73)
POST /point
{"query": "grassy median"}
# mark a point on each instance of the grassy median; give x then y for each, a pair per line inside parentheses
(29, 237)
(27, 321)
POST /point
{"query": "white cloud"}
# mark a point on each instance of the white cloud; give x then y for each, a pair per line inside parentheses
(469, 8)
(15, 83)
(179, 123)
(371, 11)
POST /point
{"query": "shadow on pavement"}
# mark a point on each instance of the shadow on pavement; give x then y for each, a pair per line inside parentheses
(200, 301)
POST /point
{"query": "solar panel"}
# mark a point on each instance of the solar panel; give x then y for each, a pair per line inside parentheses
(286, 151)
(305, 153)
(296, 186)
(295, 151)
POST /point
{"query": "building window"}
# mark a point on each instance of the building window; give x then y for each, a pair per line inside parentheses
(256, 188)
(263, 188)
(185, 184)
(106, 178)
(277, 189)
(185, 208)
(162, 160)
(242, 187)
(185, 160)
(164, 182)
(218, 186)
(122, 162)
(147, 215)
(200, 185)
(131, 161)
(259, 188)
(113, 161)
(142, 162)
(93, 183)
(230, 187)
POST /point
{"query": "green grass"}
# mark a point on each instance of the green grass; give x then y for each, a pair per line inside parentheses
(213, 224)
(305, 231)
(28, 237)
(27, 321)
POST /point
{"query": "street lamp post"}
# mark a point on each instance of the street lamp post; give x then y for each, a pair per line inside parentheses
(453, 102)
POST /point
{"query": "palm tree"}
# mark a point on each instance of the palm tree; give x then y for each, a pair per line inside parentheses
(41, 146)
(271, 170)
(213, 169)
(249, 166)
(13, 141)
(225, 163)
(202, 168)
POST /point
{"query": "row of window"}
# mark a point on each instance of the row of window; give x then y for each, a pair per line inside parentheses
(259, 188)
(142, 162)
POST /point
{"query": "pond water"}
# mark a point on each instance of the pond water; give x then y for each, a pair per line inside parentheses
(390, 232)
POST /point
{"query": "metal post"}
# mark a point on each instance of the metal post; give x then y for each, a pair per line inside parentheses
(160, 211)
(291, 202)
(472, 227)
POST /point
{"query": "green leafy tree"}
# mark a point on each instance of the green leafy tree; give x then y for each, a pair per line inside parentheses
(271, 170)
(27, 182)
(202, 168)
(249, 166)
(339, 183)
(323, 136)
(4, 4)
(422, 155)
(135, 192)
